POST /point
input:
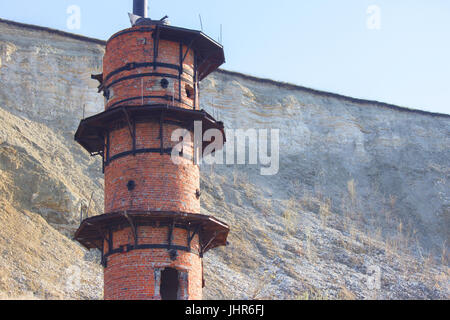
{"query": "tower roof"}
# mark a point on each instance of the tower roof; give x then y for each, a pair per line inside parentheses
(210, 53)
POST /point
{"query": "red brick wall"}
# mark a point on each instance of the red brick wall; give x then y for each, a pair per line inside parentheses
(138, 47)
(131, 275)
(161, 185)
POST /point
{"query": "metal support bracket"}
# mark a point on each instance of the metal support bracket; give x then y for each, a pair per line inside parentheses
(133, 228)
(132, 128)
(202, 248)
(192, 235)
(110, 241)
(170, 236)
(187, 51)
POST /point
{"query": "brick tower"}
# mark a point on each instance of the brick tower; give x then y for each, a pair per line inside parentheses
(152, 235)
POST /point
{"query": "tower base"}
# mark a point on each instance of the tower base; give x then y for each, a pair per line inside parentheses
(152, 255)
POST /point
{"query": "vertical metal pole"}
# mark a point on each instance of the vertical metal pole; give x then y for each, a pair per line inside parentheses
(201, 22)
(195, 80)
(140, 8)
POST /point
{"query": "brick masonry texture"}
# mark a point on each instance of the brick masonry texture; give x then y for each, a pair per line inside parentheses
(160, 184)
(138, 47)
(133, 275)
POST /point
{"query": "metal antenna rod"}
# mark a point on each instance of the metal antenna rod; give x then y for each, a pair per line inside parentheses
(201, 22)
(140, 8)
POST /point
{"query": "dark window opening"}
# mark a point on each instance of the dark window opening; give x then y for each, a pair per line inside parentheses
(169, 284)
(131, 185)
(189, 91)
(164, 83)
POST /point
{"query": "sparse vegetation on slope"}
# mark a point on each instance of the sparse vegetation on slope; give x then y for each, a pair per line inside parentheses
(301, 249)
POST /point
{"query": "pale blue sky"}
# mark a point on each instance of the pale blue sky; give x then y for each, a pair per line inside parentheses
(321, 44)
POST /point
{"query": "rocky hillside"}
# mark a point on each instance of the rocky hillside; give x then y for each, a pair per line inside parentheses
(362, 193)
